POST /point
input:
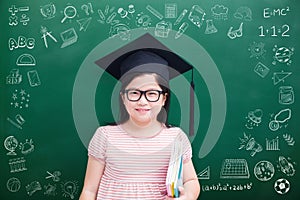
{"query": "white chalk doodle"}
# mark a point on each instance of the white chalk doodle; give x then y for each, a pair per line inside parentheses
(275, 12)
(69, 13)
(170, 10)
(123, 13)
(50, 190)
(27, 147)
(24, 19)
(21, 42)
(254, 118)
(210, 27)
(162, 29)
(182, 29)
(13, 184)
(257, 50)
(45, 33)
(219, 12)
(286, 166)
(233, 34)
(282, 186)
(70, 189)
(143, 20)
(261, 69)
(68, 37)
(249, 143)
(11, 144)
(14, 19)
(286, 95)
(55, 176)
(120, 30)
(111, 18)
(280, 76)
(131, 9)
(272, 144)
(13, 10)
(154, 12)
(204, 174)
(33, 78)
(197, 15)
(17, 122)
(14, 77)
(33, 187)
(243, 13)
(17, 165)
(180, 17)
(87, 8)
(280, 119)
(282, 55)
(264, 170)
(48, 11)
(234, 169)
(26, 59)
(275, 31)
(225, 187)
(108, 16)
(289, 139)
(84, 23)
(20, 99)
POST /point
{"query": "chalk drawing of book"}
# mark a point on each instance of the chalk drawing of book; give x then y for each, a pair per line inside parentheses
(234, 169)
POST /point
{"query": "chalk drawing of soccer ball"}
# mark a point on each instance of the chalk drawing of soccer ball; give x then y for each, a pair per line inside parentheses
(282, 186)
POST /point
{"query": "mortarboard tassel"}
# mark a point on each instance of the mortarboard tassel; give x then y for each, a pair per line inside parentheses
(192, 88)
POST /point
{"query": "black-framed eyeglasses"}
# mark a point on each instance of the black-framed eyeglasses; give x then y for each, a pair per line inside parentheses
(150, 95)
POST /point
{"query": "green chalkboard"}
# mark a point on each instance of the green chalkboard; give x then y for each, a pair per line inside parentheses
(53, 95)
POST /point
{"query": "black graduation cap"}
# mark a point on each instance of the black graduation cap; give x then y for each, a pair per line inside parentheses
(147, 54)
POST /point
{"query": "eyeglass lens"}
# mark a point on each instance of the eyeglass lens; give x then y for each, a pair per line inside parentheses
(150, 95)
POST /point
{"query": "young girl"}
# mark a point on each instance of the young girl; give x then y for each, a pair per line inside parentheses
(130, 160)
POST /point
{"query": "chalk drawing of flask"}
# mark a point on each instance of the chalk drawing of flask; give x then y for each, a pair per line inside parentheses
(210, 27)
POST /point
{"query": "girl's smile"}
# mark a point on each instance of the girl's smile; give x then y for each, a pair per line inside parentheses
(143, 112)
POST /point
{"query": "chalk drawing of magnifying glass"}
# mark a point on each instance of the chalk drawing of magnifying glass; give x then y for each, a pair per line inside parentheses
(69, 13)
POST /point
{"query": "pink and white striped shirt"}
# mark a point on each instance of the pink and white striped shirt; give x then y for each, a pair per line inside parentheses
(135, 168)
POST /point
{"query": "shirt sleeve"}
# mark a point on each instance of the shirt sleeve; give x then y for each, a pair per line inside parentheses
(187, 148)
(97, 145)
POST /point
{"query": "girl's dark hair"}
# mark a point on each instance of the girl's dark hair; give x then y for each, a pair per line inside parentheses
(164, 85)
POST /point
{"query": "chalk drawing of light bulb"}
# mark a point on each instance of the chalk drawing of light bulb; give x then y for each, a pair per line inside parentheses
(70, 188)
(280, 118)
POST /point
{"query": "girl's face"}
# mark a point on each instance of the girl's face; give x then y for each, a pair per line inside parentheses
(143, 112)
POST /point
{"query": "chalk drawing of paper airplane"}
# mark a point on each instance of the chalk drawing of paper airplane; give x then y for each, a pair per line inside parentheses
(280, 77)
(68, 37)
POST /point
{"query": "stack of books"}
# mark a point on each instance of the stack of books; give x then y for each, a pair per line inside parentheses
(174, 174)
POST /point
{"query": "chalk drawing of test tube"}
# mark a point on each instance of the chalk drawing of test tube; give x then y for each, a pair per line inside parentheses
(281, 117)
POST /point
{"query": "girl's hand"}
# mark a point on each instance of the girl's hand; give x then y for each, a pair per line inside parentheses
(182, 195)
